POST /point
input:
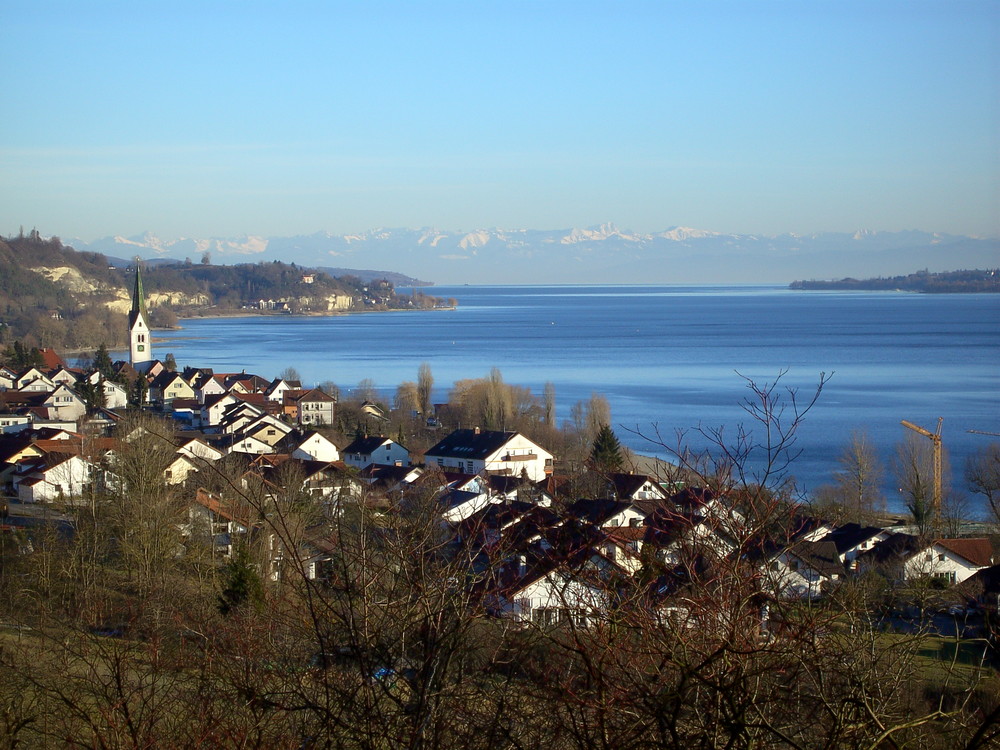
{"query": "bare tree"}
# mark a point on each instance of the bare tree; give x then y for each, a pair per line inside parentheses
(913, 467)
(425, 384)
(982, 472)
(549, 397)
(860, 477)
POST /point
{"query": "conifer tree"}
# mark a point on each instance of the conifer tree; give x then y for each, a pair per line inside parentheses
(243, 583)
(102, 363)
(606, 454)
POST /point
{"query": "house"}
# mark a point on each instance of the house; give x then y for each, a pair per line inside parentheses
(237, 416)
(65, 405)
(207, 386)
(278, 387)
(391, 478)
(853, 539)
(478, 451)
(372, 410)
(245, 444)
(8, 378)
(168, 386)
(54, 476)
(115, 395)
(637, 487)
(607, 513)
(547, 586)
(804, 569)
(63, 376)
(504, 488)
(904, 557)
(33, 379)
(309, 407)
(268, 429)
(216, 522)
(375, 450)
(315, 447)
(192, 456)
(213, 408)
(11, 423)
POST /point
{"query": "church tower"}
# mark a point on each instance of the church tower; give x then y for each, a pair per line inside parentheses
(140, 349)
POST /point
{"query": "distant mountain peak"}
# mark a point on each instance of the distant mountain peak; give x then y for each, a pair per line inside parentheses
(599, 253)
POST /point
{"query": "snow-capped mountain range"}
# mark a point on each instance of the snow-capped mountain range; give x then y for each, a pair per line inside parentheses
(598, 254)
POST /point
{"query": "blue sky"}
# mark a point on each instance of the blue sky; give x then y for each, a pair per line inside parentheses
(227, 118)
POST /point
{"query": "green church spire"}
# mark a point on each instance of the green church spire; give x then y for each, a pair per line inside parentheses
(138, 298)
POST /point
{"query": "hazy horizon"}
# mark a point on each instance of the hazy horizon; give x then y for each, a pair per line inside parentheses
(217, 120)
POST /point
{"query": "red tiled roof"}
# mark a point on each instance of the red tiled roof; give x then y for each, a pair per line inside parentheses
(976, 551)
(50, 359)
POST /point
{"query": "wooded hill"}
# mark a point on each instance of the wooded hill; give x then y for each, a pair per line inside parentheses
(921, 281)
(52, 295)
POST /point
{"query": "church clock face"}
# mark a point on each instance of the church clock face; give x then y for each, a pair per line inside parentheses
(141, 348)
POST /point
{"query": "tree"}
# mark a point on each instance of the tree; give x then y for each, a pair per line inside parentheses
(365, 391)
(103, 364)
(330, 388)
(170, 362)
(982, 472)
(549, 397)
(498, 406)
(425, 384)
(407, 399)
(606, 454)
(913, 467)
(290, 374)
(860, 477)
(242, 582)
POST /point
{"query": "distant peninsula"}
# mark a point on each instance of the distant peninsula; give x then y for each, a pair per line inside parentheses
(922, 281)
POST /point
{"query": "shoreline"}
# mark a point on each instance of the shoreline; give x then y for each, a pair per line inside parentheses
(76, 351)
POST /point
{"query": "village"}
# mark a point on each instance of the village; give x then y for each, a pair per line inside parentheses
(490, 490)
(160, 523)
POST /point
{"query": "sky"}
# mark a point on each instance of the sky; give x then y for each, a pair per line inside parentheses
(219, 119)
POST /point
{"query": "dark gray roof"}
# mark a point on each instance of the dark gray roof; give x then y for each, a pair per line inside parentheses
(850, 535)
(477, 444)
(366, 445)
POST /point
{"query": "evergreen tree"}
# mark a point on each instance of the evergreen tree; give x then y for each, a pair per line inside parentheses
(243, 583)
(102, 363)
(140, 391)
(606, 454)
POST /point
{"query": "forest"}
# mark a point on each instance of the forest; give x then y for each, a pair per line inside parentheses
(972, 281)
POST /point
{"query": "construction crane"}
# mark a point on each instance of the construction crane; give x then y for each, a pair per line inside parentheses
(935, 438)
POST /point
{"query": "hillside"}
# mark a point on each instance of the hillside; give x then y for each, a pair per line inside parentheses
(52, 295)
(921, 281)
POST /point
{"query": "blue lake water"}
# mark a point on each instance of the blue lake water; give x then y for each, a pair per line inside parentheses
(666, 357)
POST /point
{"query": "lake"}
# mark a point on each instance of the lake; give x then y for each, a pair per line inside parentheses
(666, 357)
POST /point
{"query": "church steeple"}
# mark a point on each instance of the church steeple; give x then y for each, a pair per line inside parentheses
(140, 350)
(138, 298)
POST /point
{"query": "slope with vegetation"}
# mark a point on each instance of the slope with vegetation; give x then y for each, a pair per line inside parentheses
(51, 293)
